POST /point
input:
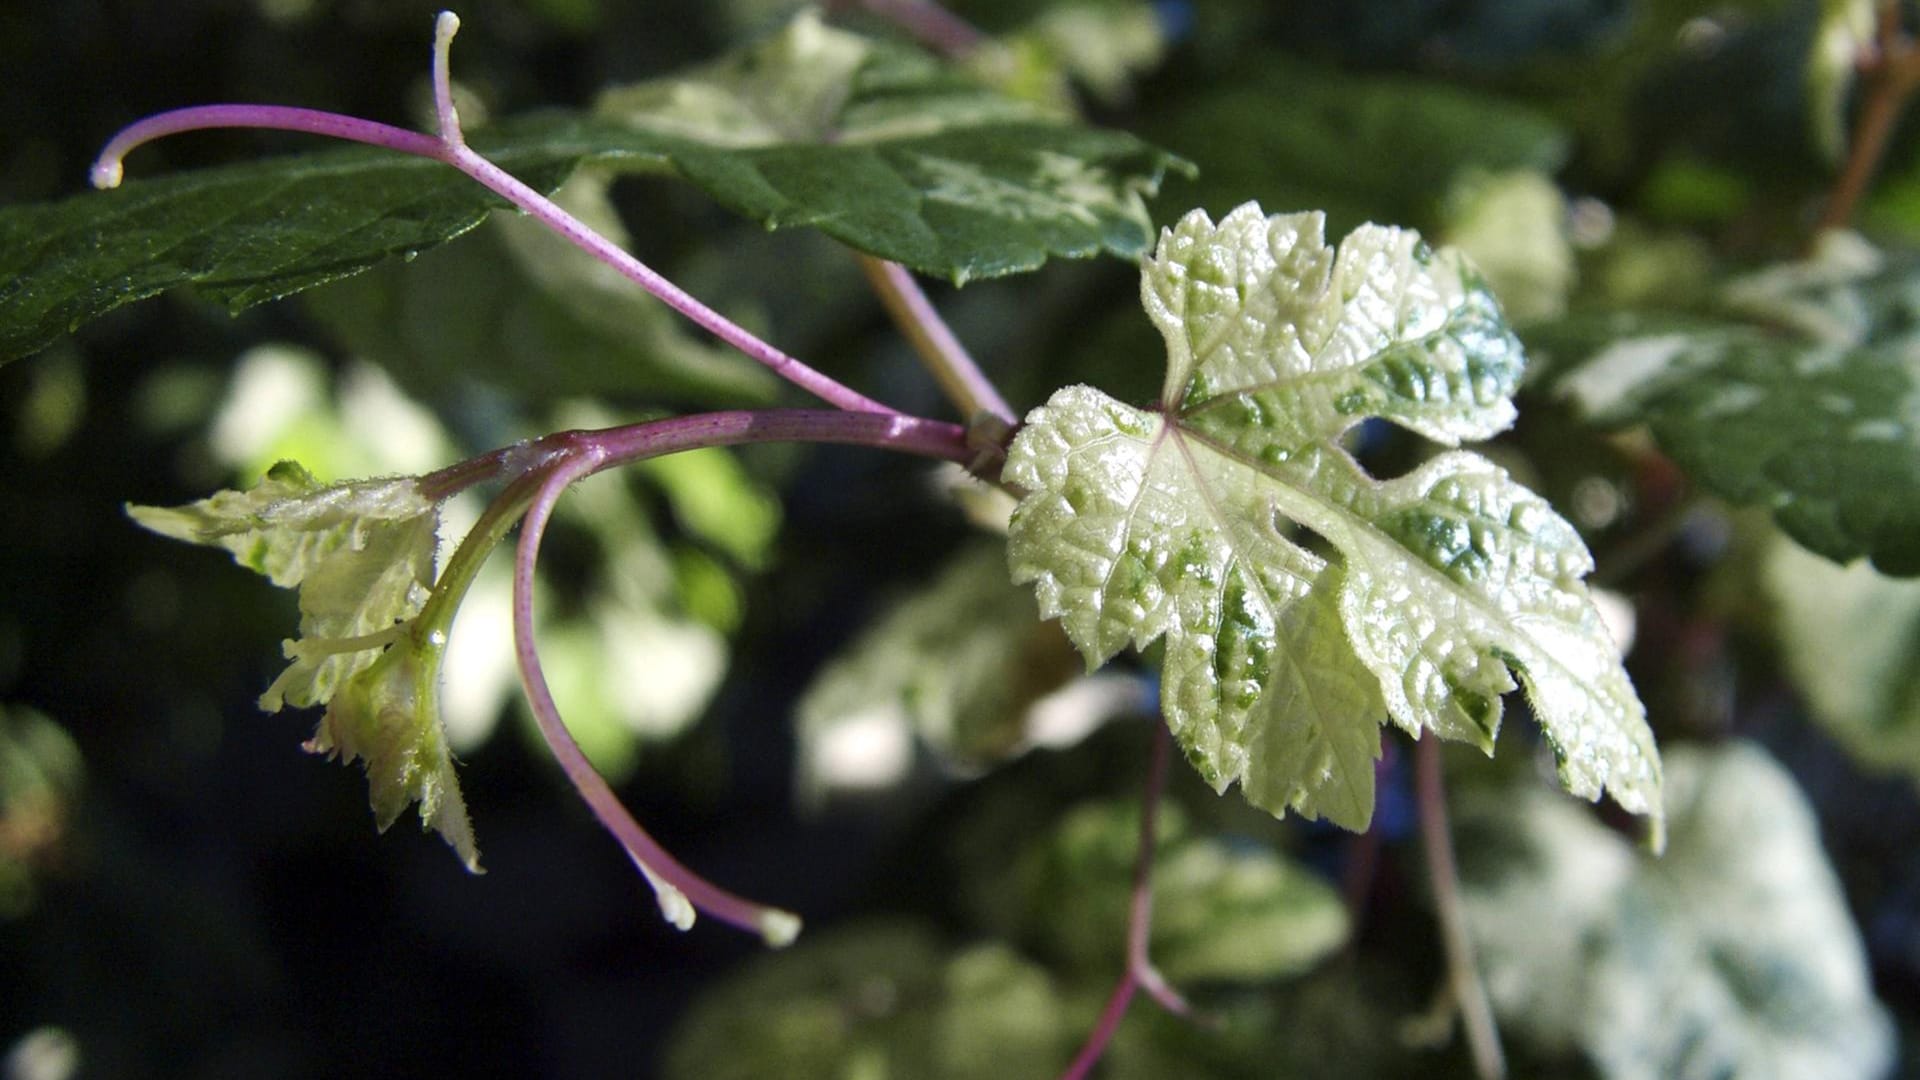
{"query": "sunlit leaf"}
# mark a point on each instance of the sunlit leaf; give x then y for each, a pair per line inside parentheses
(1436, 589)
(361, 555)
(1732, 955)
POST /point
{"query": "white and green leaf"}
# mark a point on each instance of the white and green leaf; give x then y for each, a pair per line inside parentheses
(1433, 592)
(1850, 637)
(1733, 955)
(361, 555)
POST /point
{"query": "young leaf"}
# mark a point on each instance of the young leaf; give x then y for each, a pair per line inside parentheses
(361, 555)
(1799, 394)
(1733, 955)
(1439, 586)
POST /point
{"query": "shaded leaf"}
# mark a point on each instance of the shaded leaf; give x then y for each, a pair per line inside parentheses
(1441, 585)
(1222, 911)
(1361, 147)
(41, 776)
(1733, 955)
(1851, 641)
(956, 664)
(879, 1001)
(518, 307)
(1513, 226)
(361, 555)
(1799, 392)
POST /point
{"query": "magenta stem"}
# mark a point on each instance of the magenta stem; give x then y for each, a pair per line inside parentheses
(107, 171)
(557, 461)
(649, 856)
(452, 149)
(1140, 973)
(929, 23)
(635, 442)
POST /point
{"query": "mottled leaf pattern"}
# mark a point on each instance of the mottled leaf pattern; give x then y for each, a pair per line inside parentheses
(1440, 587)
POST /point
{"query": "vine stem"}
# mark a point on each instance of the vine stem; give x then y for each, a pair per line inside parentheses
(451, 148)
(538, 473)
(928, 23)
(1892, 74)
(971, 392)
(1463, 973)
(1140, 973)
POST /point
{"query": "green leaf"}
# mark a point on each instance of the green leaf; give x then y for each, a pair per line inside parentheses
(1800, 393)
(887, 150)
(1222, 911)
(361, 555)
(245, 234)
(875, 145)
(1733, 955)
(1851, 641)
(877, 1001)
(1362, 147)
(41, 776)
(1439, 586)
(956, 664)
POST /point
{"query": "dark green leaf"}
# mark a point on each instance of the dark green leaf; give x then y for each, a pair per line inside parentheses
(1362, 148)
(890, 153)
(517, 307)
(1801, 394)
(246, 234)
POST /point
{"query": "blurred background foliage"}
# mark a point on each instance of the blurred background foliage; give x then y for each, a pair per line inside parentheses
(798, 665)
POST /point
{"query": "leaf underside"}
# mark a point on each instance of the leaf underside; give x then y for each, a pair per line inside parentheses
(899, 158)
(1437, 588)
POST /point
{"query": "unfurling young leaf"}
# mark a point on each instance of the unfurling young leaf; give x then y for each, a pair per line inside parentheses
(362, 556)
(1436, 589)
